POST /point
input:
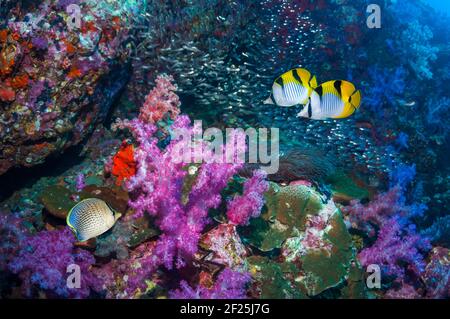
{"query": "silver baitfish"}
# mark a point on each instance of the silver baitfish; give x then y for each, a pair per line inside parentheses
(90, 218)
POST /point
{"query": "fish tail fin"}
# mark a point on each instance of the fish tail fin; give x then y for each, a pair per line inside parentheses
(355, 99)
(269, 100)
(117, 215)
(313, 82)
(349, 93)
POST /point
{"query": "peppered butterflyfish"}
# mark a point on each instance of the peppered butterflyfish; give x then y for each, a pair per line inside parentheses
(90, 218)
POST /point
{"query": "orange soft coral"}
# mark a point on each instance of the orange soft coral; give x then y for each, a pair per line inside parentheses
(74, 73)
(70, 48)
(7, 60)
(3, 35)
(20, 81)
(124, 165)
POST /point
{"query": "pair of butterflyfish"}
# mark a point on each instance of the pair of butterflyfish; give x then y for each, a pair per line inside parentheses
(333, 99)
(90, 218)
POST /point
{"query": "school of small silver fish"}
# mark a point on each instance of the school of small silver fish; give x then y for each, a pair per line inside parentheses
(236, 75)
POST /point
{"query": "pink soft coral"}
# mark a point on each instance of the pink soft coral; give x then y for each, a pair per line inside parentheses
(376, 212)
(161, 101)
(158, 183)
(393, 249)
(42, 263)
(229, 285)
(249, 205)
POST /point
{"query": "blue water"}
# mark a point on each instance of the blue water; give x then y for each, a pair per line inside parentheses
(440, 5)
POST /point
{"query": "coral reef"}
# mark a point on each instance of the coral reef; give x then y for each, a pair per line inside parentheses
(157, 185)
(57, 82)
(398, 248)
(123, 164)
(384, 86)
(160, 102)
(439, 232)
(198, 222)
(225, 247)
(437, 115)
(308, 233)
(242, 208)
(229, 285)
(419, 53)
(437, 274)
(393, 249)
(43, 261)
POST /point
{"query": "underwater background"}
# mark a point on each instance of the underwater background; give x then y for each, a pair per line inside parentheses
(90, 92)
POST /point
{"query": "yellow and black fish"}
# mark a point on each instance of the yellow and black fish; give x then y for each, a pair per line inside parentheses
(335, 99)
(292, 88)
(90, 218)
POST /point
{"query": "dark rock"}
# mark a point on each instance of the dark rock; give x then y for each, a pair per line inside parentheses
(57, 201)
(69, 84)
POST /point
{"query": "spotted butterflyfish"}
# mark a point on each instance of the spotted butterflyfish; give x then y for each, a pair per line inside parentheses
(90, 218)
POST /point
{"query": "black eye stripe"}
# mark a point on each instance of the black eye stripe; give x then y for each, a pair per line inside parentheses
(337, 85)
(296, 76)
(280, 81)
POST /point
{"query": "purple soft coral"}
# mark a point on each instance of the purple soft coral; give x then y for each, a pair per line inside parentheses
(393, 248)
(229, 285)
(158, 184)
(242, 208)
(397, 247)
(43, 260)
(12, 232)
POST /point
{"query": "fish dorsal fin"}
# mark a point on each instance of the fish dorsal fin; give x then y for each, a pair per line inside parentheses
(304, 75)
(347, 90)
(313, 82)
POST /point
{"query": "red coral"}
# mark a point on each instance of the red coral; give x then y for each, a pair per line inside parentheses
(19, 81)
(7, 94)
(7, 61)
(74, 73)
(124, 165)
(3, 35)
